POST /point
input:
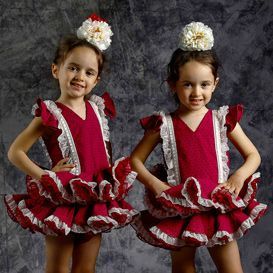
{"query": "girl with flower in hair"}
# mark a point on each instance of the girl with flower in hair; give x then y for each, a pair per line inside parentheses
(192, 200)
(83, 195)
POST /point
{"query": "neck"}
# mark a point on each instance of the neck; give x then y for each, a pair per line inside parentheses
(183, 111)
(72, 103)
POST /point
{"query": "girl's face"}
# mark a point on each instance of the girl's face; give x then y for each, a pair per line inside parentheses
(78, 73)
(195, 86)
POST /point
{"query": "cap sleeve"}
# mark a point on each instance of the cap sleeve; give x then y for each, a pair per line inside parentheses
(109, 109)
(40, 109)
(234, 115)
(153, 123)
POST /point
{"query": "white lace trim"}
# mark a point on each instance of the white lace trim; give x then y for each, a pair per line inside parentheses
(247, 224)
(65, 139)
(167, 238)
(98, 106)
(130, 178)
(60, 225)
(203, 203)
(169, 149)
(42, 191)
(250, 188)
(221, 142)
(28, 214)
(129, 213)
(143, 233)
(202, 238)
(81, 229)
(92, 185)
(107, 220)
(102, 186)
(158, 213)
(117, 184)
(62, 190)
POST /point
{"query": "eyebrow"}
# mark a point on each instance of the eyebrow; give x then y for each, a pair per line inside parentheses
(186, 81)
(89, 68)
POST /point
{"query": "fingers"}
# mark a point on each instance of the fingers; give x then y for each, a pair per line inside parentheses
(233, 189)
(62, 166)
(63, 161)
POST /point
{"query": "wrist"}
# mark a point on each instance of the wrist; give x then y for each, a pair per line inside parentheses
(240, 175)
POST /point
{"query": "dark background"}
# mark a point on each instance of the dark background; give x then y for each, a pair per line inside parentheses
(145, 35)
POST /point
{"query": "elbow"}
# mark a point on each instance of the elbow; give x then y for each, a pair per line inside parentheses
(259, 159)
(10, 154)
(255, 157)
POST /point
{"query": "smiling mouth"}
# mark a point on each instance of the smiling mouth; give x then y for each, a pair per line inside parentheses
(77, 85)
(196, 100)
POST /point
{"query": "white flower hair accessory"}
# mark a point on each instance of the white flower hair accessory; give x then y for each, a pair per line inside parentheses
(196, 37)
(96, 31)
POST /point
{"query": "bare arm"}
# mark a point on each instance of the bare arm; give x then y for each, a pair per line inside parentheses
(138, 158)
(17, 153)
(251, 157)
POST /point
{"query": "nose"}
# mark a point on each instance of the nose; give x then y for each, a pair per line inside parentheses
(80, 75)
(196, 91)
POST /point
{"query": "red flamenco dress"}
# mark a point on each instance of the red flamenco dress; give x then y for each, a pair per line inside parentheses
(90, 198)
(194, 211)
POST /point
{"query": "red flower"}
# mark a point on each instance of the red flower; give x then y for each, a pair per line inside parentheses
(95, 17)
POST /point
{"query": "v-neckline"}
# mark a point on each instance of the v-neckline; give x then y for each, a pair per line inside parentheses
(72, 111)
(199, 125)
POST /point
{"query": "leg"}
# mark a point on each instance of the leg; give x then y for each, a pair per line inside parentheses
(227, 258)
(85, 255)
(183, 260)
(58, 253)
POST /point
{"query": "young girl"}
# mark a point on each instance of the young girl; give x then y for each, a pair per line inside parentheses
(82, 196)
(192, 200)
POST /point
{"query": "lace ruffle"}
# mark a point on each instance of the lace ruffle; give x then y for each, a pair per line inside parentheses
(155, 235)
(221, 142)
(187, 199)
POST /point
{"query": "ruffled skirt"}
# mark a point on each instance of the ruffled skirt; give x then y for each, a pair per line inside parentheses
(181, 216)
(62, 203)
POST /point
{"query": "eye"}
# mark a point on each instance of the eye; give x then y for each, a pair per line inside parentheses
(91, 73)
(73, 68)
(205, 85)
(187, 85)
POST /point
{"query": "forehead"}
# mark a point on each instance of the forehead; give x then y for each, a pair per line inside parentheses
(195, 70)
(83, 56)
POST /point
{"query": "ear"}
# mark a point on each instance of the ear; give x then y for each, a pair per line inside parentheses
(216, 83)
(96, 82)
(54, 70)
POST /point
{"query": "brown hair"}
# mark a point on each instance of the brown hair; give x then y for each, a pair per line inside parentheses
(180, 57)
(68, 43)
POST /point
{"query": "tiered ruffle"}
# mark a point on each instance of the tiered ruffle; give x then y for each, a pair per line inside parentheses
(181, 216)
(60, 203)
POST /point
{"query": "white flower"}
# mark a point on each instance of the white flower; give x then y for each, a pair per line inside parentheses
(196, 37)
(95, 32)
